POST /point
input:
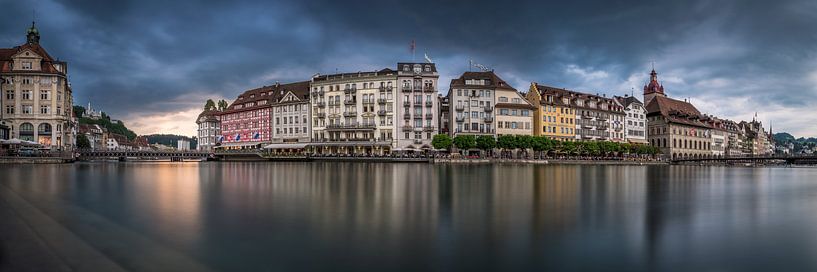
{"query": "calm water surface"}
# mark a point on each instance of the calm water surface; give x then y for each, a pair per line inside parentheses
(419, 217)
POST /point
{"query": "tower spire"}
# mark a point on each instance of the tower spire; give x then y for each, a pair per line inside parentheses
(32, 34)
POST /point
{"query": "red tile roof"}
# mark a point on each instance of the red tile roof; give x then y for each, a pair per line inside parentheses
(677, 111)
(495, 81)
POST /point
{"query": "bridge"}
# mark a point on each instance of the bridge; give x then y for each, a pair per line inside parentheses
(121, 155)
(805, 159)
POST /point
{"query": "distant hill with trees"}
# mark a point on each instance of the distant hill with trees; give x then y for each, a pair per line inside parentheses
(171, 140)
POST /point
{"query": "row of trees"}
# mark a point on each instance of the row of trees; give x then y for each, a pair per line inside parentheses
(540, 144)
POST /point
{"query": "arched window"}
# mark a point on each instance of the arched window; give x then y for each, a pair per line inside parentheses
(44, 128)
(26, 127)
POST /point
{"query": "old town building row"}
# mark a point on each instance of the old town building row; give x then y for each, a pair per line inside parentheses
(401, 109)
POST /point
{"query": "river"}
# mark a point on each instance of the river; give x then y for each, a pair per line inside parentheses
(300, 216)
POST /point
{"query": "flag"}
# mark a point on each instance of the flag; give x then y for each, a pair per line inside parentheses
(427, 58)
(220, 138)
(256, 135)
(237, 137)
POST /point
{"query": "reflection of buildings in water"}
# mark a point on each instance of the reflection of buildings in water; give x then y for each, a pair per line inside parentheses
(170, 197)
(556, 198)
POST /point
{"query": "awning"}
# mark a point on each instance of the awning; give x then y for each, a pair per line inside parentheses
(361, 143)
(17, 142)
(287, 146)
(240, 144)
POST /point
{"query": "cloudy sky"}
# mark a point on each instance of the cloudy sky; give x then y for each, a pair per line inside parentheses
(154, 63)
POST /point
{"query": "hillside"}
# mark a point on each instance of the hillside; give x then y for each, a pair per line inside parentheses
(113, 127)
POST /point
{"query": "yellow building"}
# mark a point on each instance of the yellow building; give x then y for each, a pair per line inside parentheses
(553, 117)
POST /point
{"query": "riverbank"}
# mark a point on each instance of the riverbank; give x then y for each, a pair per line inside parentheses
(34, 160)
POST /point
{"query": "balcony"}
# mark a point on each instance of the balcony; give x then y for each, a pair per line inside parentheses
(321, 115)
(489, 108)
(333, 103)
(429, 89)
(406, 104)
(418, 88)
(459, 107)
(350, 90)
(418, 116)
(321, 104)
(368, 102)
(384, 88)
(408, 128)
(406, 116)
(488, 119)
(418, 104)
(406, 89)
(350, 114)
(349, 101)
(429, 128)
(460, 119)
(429, 104)
(353, 126)
(381, 112)
(381, 101)
(429, 116)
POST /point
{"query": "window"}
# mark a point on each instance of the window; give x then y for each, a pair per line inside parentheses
(44, 95)
(28, 109)
(26, 65)
(26, 95)
(9, 109)
(44, 109)
(10, 95)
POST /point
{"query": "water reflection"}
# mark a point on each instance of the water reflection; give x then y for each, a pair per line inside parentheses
(410, 217)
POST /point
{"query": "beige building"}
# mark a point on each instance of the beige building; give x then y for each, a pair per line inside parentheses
(514, 113)
(419, 113)
(36, 96)
(209, 129)
(353, 113)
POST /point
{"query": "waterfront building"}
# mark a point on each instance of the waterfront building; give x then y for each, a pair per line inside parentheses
(419, 106)
(182, 145)
(676, 127)
(757, 139)
(245, 124)
(4, 128)
(514, 113)
(472, 102)
(735, 140)
(554, 116)
(209, 129)
(444, 114)
(37, 101)
(117, 141)
(635, 124)
(720, 137)
(598, 118)
(354, 113)
(291, 113)
(97, 136)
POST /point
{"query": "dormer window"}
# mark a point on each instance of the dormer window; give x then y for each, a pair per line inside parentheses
(406, 68)
(428, 68)
(26, 65)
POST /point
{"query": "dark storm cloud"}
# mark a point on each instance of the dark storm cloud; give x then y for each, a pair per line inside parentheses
(148, 57)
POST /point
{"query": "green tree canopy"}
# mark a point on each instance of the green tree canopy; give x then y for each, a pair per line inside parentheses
(209, 105)
(442, 141)
(506, 142)
(83, 142)
(486, 142)
(222, 105)
(465, 142)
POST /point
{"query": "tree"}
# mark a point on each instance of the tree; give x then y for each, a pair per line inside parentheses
(465, 142)
(486, 142)
(569, 148)
(442, 141)
(542, 144)
(222, 105)
(83, 142)
(79, 111)
(209, 105)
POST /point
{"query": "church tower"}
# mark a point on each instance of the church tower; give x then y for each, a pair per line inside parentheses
(653, 89)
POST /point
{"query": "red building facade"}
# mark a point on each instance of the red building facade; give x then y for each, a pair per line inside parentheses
(246, 122)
